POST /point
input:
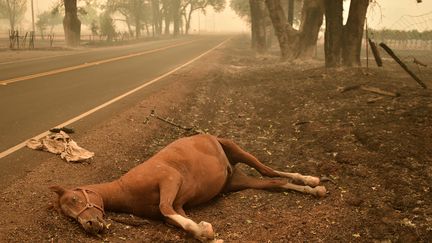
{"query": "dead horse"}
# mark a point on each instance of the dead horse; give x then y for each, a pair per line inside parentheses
(189, 171)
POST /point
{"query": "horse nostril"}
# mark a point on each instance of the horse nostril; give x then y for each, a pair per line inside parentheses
(90, 223)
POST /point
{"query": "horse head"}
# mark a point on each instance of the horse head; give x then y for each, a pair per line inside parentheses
(84, 205)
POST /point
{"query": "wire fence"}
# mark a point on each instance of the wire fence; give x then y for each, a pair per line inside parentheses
(410, 39)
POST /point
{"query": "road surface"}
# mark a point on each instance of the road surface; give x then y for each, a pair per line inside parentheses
(39, 94)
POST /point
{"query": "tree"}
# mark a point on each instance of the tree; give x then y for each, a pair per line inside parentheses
(190, 6)
(157, 17)
(297, 43)
(107, 26)
(258, 25)
(134, 12)
(13, 10)
(343, 43)
(48, 19)
(71, 23)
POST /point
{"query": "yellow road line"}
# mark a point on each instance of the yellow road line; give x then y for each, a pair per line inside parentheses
(79, 117)
(84, 65)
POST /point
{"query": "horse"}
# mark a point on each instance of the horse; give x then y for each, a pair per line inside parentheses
(189, 171)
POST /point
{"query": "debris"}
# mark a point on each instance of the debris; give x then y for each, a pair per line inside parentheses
(356, 235)
(195, 131)
(64, 129)
(408, 223)
(368, 88)
(348, 88)
(379, 91)
(403, 65)
(61, 143)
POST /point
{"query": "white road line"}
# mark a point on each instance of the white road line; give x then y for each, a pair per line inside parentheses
(89, 64)
(79, 117)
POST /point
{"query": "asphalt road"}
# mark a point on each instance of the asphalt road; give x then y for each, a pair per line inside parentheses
(36, 95)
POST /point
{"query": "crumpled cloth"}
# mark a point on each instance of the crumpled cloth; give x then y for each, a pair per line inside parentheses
(61, 143)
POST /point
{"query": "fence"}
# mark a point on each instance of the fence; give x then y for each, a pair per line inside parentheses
(410, 38)
(29, 40)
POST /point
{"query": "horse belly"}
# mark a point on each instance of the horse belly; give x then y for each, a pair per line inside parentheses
(206, 184)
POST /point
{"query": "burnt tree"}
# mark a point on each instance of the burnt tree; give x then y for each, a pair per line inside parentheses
(71, 23)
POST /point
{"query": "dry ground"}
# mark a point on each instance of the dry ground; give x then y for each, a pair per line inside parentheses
(377, 153)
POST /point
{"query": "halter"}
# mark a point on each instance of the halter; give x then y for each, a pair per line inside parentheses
(88, 203)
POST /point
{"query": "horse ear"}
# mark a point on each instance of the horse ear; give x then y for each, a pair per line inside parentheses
(58, 189)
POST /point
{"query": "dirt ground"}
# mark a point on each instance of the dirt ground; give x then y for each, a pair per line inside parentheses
(376, 150)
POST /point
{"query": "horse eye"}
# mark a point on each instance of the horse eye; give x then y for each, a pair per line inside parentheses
(74, 199)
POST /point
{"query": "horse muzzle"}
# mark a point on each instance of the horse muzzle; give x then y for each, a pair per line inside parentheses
(93, 226)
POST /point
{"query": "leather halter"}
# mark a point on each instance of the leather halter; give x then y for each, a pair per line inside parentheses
(88, 203)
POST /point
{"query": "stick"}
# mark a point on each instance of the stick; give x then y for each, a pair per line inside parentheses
(348, 88)
(379, 91)
(403, 65)
(197, 131)
(376, 53)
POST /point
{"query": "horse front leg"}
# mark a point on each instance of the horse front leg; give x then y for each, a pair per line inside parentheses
(168, 192)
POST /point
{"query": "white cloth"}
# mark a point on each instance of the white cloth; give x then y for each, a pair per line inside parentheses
(61, 143)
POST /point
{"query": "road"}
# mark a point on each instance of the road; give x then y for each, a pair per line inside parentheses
(38, 94)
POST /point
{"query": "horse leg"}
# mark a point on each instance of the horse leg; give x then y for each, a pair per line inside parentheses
(240, 181)
(168, 190)
(236, 154)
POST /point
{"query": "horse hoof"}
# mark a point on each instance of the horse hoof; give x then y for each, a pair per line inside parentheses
(312, 181)
(206, 229)
(320, 191)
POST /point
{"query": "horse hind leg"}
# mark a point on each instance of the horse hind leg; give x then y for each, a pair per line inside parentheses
(240, 181)
(236, 154)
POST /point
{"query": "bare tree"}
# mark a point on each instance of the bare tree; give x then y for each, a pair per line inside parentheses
(13, 10)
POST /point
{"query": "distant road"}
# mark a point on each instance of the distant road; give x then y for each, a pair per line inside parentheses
(38, 94)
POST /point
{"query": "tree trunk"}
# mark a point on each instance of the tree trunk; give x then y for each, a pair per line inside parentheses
(291, 12)
(280, 26)
(156, 16)
(137, 28)
(353, 33)
(71, 23)
(258, 26)
(176, 16)
(333, 32)
(188, 19)
(312, 19)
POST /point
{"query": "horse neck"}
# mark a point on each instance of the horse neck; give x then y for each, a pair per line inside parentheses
(112, 194)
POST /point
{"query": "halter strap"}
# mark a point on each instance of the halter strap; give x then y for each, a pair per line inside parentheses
(88, 203)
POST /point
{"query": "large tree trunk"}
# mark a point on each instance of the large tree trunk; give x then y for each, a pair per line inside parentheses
(280, 26)
(71, 23)
(353, 33)
(312, 19)
(258, 26)
(333, 32)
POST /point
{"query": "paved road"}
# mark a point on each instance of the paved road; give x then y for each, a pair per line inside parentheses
(36, 95)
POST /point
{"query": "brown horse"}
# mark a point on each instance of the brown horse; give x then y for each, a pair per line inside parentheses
(187, 172)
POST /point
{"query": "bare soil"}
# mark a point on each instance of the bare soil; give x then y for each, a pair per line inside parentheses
(376, 150)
